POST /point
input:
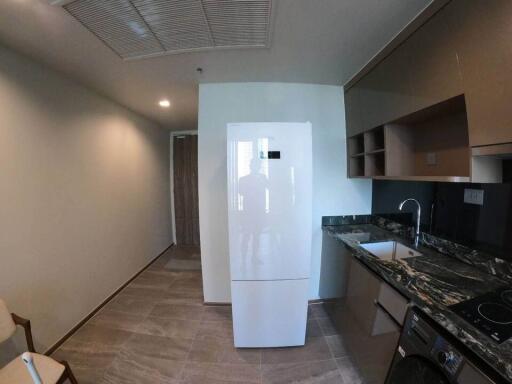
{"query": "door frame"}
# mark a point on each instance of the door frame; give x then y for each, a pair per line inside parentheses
(171, 173)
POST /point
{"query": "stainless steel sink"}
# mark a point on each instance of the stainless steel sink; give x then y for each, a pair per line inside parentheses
(390, 250)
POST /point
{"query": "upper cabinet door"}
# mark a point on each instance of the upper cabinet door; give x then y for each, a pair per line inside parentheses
(385, 92)
(485, 53)
(434, 66)
(353, 112)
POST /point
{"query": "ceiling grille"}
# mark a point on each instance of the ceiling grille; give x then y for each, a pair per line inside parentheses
(143, 28)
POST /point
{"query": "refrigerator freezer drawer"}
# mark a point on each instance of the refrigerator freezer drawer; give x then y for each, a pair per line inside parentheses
(269, 313)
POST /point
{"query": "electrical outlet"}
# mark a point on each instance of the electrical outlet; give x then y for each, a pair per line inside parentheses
(474, 196)
(431, 158)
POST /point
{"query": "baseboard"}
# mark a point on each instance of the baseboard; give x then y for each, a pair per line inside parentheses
(81, 323)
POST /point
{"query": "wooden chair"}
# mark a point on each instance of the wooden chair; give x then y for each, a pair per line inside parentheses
(15, 372)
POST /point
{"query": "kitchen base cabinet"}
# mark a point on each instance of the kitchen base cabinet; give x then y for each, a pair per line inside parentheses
(364, 331)
(334, 268)
(376, 307)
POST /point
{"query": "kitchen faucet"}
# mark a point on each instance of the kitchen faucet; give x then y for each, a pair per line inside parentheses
(418, 218)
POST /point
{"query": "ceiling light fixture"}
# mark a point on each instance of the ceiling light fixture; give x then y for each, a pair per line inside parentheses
(164, 103)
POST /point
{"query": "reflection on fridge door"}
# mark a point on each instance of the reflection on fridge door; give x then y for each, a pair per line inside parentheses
(270, 215)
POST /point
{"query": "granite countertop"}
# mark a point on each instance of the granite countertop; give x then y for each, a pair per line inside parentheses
(432, 282)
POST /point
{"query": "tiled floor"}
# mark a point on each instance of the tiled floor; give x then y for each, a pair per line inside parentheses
(157, 330)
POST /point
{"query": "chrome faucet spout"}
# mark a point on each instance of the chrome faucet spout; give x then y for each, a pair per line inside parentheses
(418, 218)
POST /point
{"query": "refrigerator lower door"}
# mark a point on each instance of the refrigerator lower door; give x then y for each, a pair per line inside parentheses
(269, 313)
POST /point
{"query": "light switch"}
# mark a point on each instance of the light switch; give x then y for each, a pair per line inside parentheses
(431, 158)
(474, 196)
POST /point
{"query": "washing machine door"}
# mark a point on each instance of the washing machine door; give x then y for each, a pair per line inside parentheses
(417, 370)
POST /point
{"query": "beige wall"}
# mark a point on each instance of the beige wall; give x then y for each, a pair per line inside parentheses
(84, 196)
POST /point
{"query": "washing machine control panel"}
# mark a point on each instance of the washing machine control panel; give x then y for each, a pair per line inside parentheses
(447, 356)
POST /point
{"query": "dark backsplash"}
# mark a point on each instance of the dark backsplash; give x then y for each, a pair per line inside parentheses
(486, 227)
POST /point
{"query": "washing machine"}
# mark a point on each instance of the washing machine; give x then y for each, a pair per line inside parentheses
(424, 356)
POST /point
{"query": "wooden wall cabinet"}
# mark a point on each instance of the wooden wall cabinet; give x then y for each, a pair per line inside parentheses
(385, 92)
(433, 62)
(430, 145)
(485, 51)
(353, 119)
(464, 49)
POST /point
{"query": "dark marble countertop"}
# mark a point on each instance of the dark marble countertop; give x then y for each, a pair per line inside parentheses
(432, 282)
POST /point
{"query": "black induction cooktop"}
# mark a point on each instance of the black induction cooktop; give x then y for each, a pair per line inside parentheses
(490, 313)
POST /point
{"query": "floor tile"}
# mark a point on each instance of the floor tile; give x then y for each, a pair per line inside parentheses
(98, 334)
(157, 330)
(217, 313)
(130, 304)
(313, 328)
(89, 375)
(321, 310)
(349, 372)
(186, 286)
(221, 373)
(117, 320)
(159, 264)
(151, 279)
(133, 368)
(183, 265)
(189, 297)
(316, 349)
(149, 294)
(186, 252)
(337, 346)
(88, 360)
(170, 348)
(222, 329)
(178, 311)
(327, 326)
(319, 372)
(210, 349)
(85, 355)
(160, 326)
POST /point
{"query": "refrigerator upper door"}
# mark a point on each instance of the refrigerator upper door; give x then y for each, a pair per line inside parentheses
(269, 200)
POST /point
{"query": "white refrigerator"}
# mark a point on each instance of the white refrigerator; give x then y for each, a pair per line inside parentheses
(269, 213)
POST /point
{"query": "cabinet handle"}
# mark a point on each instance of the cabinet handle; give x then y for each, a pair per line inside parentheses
(383, 309)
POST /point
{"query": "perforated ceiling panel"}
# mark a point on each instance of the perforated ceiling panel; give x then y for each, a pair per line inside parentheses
(238, 23)
(142, 28)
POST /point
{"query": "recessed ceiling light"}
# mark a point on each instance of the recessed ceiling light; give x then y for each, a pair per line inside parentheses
(164, 103)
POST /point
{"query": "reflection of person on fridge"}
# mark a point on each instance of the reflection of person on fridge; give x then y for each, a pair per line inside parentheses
(252, 189)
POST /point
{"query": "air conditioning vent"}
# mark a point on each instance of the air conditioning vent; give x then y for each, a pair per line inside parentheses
(238, 23)
(143, 28)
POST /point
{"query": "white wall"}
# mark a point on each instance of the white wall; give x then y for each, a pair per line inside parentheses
(84, 196)
(333, 193)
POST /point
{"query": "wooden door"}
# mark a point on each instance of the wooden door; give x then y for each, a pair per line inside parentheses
(186, 204)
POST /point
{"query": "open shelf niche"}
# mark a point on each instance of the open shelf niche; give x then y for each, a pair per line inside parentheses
(367, 154)
(431, 144)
